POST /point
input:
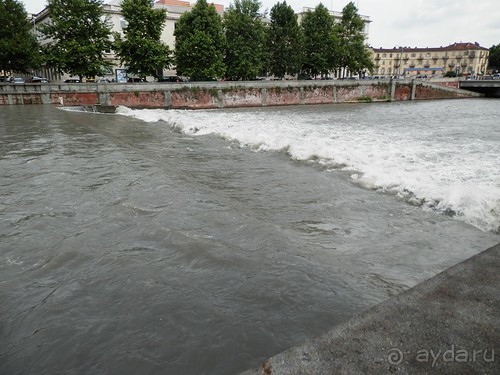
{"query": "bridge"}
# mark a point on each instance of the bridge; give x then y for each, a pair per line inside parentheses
(490, 88)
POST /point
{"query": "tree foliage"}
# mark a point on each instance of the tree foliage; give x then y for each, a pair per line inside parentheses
(494, 58)
(245, 35)
(78, 35)
(141, 49)
(200, 43)
(285, 41)
(320, 42)
(19, 49)
(354, 55)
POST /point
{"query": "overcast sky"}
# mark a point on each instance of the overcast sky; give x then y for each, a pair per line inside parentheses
(412, 23)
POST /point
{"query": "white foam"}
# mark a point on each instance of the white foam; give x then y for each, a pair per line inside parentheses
(438, 166)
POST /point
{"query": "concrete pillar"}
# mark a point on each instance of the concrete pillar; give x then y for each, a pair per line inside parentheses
(392, 87)
(45, 94)
(103, 97)
(220, 99)
(413, 89)
(168, 99)
(263, 94)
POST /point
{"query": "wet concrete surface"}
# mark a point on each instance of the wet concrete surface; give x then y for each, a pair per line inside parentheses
(448, 324)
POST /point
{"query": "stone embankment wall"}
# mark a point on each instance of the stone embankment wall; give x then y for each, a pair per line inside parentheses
(205, 95)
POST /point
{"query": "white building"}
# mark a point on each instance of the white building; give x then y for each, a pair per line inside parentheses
(337, 17)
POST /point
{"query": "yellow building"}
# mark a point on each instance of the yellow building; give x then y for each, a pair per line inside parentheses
(465, 59)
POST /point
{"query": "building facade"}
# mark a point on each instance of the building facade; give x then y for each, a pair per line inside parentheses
(464, 59)
(112, 11)
(337, 17)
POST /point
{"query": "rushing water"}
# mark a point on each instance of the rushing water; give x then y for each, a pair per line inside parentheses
(202, 242)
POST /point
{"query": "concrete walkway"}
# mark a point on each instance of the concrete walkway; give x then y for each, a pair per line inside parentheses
(449, 324)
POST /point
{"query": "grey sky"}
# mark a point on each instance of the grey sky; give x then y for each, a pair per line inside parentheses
(412, 23)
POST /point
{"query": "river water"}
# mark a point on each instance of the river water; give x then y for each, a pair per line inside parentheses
(203, 242)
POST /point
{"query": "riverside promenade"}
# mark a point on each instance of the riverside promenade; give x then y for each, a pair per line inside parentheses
(449, 324)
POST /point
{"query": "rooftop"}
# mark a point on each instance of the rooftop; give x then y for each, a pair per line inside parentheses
(452, 47)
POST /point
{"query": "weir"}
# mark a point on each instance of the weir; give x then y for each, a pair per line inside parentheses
(205, 95)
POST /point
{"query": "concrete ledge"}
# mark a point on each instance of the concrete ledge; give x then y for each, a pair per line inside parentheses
(448, 324)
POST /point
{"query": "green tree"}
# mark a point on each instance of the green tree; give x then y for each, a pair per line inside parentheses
(354, 54)
(494, 58)
(285, 41)
(19, 49)
(200, 43)
(245, 35)
(141, 49)
(78, 35)
(320, 42)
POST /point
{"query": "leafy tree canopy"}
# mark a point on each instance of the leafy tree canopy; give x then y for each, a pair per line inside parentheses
(141, 49)
(320, 42)
(494, 59)
(200, 43)
(78, 35)
(19, 49)
(354, 54)
(245, 35)
(285, 41)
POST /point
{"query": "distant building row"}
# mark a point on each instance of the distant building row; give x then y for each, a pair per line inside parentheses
(464, 59)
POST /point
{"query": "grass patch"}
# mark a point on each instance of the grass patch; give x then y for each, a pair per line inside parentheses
(365, 99)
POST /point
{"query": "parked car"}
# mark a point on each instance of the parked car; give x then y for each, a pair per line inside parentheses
(170, 79)
(135, 79)
(38, 80)
(72, 80)
(305, 77)
(17, 81)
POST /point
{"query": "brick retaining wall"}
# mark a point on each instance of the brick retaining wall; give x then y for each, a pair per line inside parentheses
(228, 94)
